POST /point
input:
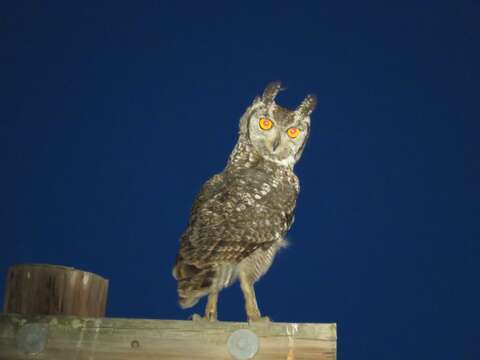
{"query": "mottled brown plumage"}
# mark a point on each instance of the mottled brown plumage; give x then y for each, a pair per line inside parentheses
(241, 215)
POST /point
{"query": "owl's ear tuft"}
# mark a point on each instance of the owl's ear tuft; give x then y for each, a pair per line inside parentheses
(307, 106)
(271, 91)
(256, 100)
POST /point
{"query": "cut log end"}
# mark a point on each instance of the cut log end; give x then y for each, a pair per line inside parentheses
(42, 289)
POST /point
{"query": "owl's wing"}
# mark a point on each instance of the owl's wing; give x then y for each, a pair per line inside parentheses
(186, 261)
(212, 186)
(234, 216)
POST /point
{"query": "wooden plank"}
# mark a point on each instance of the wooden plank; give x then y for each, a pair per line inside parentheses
(137, 339)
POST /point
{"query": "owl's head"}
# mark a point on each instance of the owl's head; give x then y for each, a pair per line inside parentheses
(276, 133)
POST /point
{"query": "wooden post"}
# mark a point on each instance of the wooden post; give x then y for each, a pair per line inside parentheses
(37, 289)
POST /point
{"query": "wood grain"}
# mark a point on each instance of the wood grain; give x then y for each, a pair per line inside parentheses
(109, 338)
(51, 290)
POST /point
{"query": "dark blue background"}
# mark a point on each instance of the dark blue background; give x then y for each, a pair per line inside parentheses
(114, 113)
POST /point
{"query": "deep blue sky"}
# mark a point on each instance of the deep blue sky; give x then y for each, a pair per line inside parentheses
(114, 113)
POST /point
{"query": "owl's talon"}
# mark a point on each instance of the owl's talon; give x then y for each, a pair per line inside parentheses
(196, 317)
(211, 317)
(211, 308)
(207, 317)
(261, 319)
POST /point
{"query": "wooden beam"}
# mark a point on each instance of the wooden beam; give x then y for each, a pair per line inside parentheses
(68, 337)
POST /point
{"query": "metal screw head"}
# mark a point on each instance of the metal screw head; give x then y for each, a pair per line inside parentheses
(243, 344)
(32, 338)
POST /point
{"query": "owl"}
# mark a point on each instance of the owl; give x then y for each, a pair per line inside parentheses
(241, 216)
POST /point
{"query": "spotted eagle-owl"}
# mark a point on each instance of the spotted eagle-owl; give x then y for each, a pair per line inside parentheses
(240, 218)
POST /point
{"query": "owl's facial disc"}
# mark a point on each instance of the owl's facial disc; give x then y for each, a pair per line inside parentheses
(278, 138)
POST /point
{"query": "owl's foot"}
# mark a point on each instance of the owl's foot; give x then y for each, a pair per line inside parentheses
(259, 319)
(211, 307)
(196, 317)
(207, 317)
(210, 316)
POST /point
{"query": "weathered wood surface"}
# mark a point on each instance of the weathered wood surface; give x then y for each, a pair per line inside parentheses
(54, 290)
(110, 338)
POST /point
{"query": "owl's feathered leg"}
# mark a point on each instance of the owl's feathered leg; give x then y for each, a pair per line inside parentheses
(211, 307)
(251, 306)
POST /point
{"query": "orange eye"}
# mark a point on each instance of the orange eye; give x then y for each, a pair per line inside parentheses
(293, 132)
(265, 124)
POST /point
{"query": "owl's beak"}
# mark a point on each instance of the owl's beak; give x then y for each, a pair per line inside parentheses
(275, 143)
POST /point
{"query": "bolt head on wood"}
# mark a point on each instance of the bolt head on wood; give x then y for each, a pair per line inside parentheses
(32, 338)
(243, 344)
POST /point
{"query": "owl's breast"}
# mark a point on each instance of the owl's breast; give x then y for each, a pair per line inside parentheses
(261, 203)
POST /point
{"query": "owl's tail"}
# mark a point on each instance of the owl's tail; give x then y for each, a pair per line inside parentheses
(193, 282)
